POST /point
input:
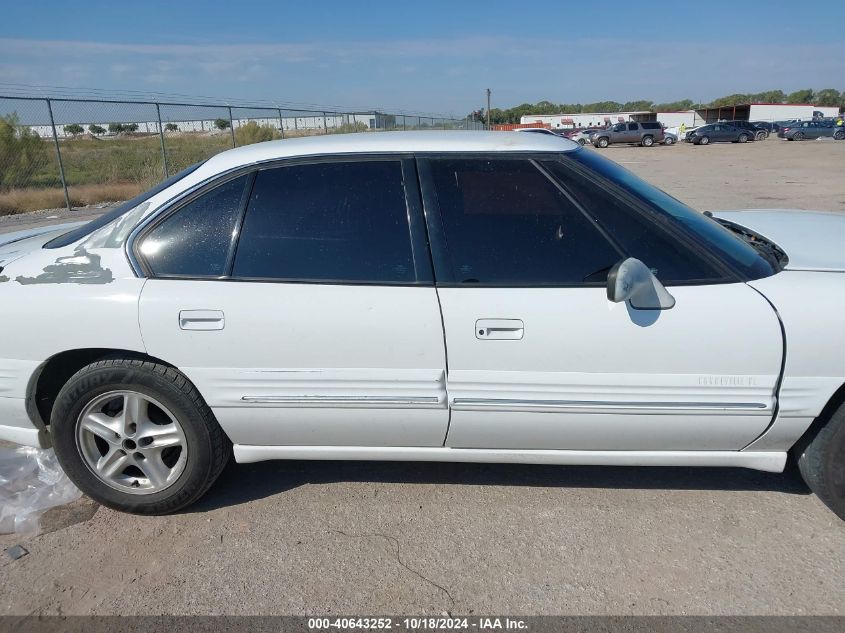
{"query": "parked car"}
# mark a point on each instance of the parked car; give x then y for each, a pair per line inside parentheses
(297, 299)
(645, 133)
(669, 138)
(582, 137)
(717, 133)
(754, 133)
(768, 126)
(807, 130)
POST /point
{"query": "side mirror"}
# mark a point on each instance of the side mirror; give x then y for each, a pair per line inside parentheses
(631, 280)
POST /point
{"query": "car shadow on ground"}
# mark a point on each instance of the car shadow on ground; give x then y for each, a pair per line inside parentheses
(241, 483)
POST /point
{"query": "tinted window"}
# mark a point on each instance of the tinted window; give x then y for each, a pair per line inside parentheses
(194, 240)
(632, 127)
(638, 235)
(507, 224)
(86, 229)
(732, 250)
(651, 126)
(345, 221)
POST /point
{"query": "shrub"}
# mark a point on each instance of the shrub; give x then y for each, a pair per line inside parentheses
(222, 124)
(171, 127)
(73, 129)
(251, 132)
(96, 129)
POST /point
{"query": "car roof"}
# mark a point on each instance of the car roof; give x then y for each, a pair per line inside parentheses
(390, 143)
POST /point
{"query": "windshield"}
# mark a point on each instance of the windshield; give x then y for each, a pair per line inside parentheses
(87, 229)
(745, 260)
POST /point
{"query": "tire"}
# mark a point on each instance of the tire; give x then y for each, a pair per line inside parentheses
(799, 136)
(668, 141)
(648, 141)
(761, 136)
(704, 140)
(582, 142)
(743, 138)
(838, 136)
(821, 460)
(137, 436)
(603, 142)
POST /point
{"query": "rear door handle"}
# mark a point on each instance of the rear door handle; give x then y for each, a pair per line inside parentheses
(499, 329)
(201, 320)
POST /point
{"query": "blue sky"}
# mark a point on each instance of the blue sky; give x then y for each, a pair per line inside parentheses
(433, 56)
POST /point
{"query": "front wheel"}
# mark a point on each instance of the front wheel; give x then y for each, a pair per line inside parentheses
(137, 436)
(582, 142)
(838, 136)
(821, 460)
(761, 136)
(742, 138)
(704, 140)
(603, 142)
(648, 141)
(668, 141)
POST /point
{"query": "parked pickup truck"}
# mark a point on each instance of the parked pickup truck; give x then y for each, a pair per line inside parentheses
(646, 133)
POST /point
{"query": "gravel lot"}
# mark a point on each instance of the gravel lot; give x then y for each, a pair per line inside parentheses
(376, 538)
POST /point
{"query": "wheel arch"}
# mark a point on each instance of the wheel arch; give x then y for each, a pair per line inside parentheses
(832, 405)
(49, 378)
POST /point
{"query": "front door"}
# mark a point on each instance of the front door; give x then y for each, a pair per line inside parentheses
(319, 323)
(540, 359)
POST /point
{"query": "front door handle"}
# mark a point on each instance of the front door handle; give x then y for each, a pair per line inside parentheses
(201, 320)
(499, 329)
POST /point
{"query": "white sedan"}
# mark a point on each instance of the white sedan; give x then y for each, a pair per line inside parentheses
(454, 296)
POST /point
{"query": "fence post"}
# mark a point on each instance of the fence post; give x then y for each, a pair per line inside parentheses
(325, 124)
(232, 126)
(281, 123)
(161, 138)
(58, 153)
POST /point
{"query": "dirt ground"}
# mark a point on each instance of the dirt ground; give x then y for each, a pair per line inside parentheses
(378, 538)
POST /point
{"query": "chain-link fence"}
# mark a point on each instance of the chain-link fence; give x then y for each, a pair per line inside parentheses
(63, 152)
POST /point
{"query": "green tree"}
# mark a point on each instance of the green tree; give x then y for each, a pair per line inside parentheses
(95, 129)
(171, 127)
(635, 106)
(22, 152)
(731, 100)
(73, 129)
(674, 106)
(800, 96)
(130, 127)
(116, 128)
(222, 124)
(769, 96)
(828, 97)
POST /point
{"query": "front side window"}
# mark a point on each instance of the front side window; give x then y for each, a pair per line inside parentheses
(506, 223)
(735, 253)
(332, 221)
(194, 240)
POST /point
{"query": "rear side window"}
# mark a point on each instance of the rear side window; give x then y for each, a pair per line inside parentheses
(334, 222)
(506, 223)
(651, 126)
(194, 241)
(638, 235)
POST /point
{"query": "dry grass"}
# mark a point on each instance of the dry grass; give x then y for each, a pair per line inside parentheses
(23, 200)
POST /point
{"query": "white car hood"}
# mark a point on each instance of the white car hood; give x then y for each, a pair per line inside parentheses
(812, 240)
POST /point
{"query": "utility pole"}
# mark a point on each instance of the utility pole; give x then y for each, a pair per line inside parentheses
(488, 108)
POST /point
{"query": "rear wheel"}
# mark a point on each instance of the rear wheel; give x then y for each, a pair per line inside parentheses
(137, 436)
(799, 136)
(743, 138)
(603, 142)
(582, 142)
(648, 141)
(839, 135)
(821, 460)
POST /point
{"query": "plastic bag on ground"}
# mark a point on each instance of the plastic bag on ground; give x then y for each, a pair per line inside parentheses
(31, 482)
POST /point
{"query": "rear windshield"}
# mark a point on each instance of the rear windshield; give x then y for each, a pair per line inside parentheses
(86, 229)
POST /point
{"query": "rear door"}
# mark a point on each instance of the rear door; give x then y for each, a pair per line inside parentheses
(540, 359)
(299, 299)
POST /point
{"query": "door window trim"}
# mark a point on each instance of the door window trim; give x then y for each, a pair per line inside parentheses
(418, 240)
